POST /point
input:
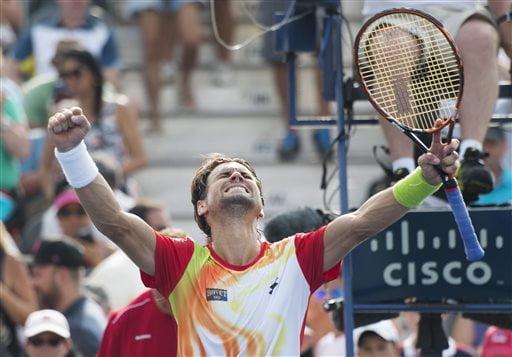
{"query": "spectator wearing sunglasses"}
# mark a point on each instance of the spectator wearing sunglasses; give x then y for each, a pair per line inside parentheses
(75, 223)
(47, 333)
(114, 121)
(57, 273)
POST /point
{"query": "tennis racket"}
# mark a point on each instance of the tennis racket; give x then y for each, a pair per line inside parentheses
(409, 67)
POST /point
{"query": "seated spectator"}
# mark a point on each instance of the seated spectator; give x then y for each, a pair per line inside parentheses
(147, 315)
(17, 296)
(114, 122)
(14, 147)
(47, 334)
(37, 45)
(57, 278)
(378, 339)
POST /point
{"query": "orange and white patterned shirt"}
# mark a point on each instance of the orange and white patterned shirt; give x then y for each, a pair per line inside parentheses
(251, 310)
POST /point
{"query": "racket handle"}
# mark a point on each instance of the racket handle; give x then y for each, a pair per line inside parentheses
(471, 245)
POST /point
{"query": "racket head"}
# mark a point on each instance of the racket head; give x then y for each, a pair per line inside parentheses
(410, 68)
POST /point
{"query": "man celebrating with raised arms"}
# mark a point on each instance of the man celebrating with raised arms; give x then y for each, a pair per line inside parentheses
(238, 295)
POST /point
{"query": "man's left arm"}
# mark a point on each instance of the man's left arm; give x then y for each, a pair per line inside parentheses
(349, 230)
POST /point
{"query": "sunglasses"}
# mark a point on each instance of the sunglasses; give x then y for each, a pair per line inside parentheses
(74, 73)
(66, 212)
(38, 341)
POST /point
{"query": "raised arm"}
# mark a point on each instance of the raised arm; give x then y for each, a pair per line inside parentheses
(67, 129)
(381, 210)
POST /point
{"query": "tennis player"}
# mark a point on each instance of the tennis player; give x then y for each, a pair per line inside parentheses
(238, 295)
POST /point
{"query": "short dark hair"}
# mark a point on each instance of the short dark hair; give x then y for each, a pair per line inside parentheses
(199, 183)
(299, 220)
(143, 207)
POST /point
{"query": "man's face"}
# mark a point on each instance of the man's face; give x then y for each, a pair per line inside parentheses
(45, 284)
(232, 186)
(373, 345)
(74, 10)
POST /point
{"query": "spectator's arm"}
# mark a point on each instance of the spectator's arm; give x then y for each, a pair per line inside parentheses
(14, 131)
(15, 138)
(12, 10)
(18, 296)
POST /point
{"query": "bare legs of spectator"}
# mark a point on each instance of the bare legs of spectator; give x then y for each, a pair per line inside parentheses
(189, 29)
(226, 27)
(290, 144)
(151, 26)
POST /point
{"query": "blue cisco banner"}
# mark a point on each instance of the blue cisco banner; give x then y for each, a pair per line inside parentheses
(422, 256)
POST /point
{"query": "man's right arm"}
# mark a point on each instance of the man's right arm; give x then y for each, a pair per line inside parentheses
(134, 236)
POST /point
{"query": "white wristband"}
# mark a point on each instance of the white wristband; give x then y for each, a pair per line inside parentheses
(78, 166)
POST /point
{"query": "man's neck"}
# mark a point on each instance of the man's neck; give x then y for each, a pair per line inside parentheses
(236, 241)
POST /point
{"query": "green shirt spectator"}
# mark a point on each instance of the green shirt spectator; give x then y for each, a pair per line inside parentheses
(14, 143)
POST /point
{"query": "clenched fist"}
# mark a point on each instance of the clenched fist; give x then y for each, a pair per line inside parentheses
(67, 128)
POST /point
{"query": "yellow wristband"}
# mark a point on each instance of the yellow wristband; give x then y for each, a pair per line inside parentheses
(413, 189)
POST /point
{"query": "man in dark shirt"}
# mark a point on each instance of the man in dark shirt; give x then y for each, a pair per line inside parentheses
(57, 271)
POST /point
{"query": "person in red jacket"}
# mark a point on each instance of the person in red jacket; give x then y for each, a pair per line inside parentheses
(144, 327)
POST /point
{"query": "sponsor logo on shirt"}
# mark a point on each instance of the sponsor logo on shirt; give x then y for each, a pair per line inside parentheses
(214, 294)
(273, 286)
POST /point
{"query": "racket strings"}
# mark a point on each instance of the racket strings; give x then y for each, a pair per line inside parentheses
(412, 73)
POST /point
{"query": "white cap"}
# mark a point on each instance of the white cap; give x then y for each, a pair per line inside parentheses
(46, 321)
(385, 329)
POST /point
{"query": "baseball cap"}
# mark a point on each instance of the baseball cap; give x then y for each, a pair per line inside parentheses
(385, 329)
(65, 198)
(497, 342)
(61, 252)
(46, 321)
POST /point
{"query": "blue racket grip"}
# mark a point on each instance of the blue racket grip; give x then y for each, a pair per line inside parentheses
(471, 245)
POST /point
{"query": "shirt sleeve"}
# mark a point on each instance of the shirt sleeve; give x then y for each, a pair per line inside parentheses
(172, 256)
(23, 46)
(310, 254)
(14, 111)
